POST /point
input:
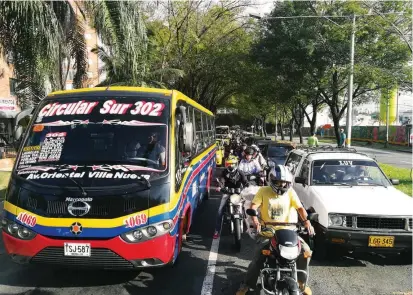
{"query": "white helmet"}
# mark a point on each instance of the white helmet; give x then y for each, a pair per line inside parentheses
(280, 179)
(256, 148)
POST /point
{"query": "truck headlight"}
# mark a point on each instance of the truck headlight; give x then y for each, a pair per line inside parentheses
(16, 230)
(336, 220)
(148, 232)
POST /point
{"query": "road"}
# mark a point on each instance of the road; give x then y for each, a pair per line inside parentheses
(398, 159)
(366, 274)
(395, 158)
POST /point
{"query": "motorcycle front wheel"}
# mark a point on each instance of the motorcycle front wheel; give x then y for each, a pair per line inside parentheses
(237, 234)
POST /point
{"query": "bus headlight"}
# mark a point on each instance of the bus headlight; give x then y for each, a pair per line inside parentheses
(16, 230)
(148, 232)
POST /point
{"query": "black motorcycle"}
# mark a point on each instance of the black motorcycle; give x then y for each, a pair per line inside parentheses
(234, 214)
(278, 275)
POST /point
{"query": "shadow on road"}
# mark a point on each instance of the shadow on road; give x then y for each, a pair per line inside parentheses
(186, 277)
(361, 260)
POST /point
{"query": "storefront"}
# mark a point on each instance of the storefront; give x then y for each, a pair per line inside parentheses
(8, 112)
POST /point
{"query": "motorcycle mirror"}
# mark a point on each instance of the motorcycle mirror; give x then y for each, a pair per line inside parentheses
(252, 212)
(313, 216)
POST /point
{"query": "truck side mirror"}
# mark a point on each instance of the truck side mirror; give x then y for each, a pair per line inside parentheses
(301, 180)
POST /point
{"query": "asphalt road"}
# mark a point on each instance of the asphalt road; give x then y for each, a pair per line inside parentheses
(398, 159)
(366, 274)
(395, 158)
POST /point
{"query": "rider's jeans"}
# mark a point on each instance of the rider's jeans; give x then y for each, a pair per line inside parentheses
(258, 260)
(220, 212)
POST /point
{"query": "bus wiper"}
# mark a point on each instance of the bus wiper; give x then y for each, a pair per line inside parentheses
(77, 184)
(148, 184)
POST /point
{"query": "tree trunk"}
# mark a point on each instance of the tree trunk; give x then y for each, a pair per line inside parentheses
(291, 129)
(281, 131)
(313, 121)
(264, 125)
(336, 121)
(276, 123)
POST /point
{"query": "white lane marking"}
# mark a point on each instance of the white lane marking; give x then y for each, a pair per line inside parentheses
(405, 162)
(208, 284)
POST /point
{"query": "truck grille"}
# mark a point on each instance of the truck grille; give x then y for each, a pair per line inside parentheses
(100, 258)
(378, 222)
(381, 223)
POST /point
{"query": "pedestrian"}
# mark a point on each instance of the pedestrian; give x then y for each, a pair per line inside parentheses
(342, 138)
(312, 141)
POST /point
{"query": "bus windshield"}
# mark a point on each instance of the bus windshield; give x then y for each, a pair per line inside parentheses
(86, 135)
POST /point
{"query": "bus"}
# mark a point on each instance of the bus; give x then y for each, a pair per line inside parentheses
(108, 178)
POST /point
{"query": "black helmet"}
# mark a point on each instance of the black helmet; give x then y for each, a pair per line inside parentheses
(249, 151)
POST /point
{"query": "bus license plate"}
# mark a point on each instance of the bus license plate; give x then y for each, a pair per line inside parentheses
(77, 249)
(381, 241)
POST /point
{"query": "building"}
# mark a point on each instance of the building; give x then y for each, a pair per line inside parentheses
(9, 105)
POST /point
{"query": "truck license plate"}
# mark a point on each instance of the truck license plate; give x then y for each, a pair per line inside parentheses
(77, 249)
(381, 241)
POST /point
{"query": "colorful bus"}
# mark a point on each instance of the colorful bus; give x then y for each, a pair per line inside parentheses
(109, 178)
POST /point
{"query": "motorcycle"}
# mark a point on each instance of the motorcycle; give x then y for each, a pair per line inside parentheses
(278, 275)
(258, 179)
(234, 213)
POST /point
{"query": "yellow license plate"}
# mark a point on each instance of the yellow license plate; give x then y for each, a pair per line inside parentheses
(381, 241)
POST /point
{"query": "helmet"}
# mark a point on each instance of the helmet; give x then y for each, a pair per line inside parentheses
(249, 151)
(280, 179)
(256, 148)
(231, 164)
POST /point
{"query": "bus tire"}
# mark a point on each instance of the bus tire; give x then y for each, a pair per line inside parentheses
(181, 238)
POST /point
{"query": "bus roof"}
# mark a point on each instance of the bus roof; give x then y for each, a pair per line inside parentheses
(166, 92)
(113, 88)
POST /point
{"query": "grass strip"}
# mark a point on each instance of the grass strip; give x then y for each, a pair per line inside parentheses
(403, 174)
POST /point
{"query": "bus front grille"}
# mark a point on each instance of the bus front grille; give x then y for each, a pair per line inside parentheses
(100, 258)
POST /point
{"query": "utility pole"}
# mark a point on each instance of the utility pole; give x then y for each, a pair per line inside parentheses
(387, 120)
(350, 82)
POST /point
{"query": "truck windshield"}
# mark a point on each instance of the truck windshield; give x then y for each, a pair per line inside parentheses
(347, 172)
(85, 136)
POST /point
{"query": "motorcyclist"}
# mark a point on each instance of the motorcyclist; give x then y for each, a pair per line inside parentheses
(231, 177)
(275, 203)
(241, 150)
(248, 165)
(258, 156)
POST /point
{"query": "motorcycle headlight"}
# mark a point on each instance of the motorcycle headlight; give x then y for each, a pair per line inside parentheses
(336, 220)
(148, 232)
(289, 253)
(235, 199)
(17, 230)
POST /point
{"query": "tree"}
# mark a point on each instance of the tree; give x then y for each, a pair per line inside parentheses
(316, 51)
(208, 41)
(39, 36)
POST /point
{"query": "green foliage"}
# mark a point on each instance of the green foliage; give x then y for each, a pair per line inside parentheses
(208, 41)
(40, 36)
(310, 56)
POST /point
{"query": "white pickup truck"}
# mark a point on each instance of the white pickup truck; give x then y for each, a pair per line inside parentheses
(358, 207)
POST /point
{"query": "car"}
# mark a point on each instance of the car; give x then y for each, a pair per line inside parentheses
(223, 132)
(358, 207)
(275, 152)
